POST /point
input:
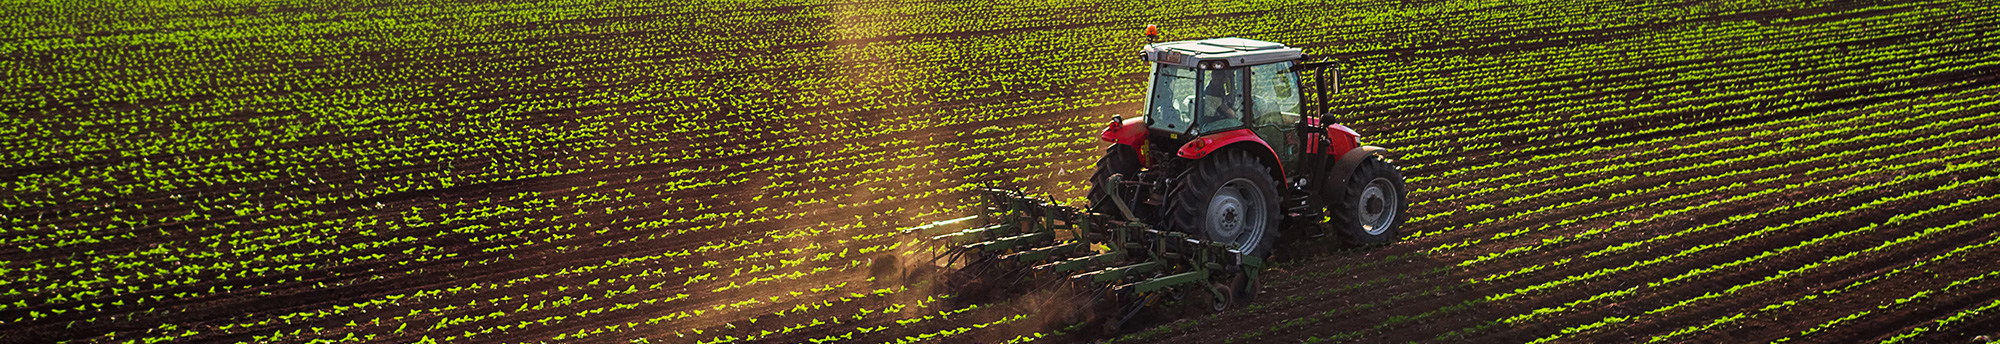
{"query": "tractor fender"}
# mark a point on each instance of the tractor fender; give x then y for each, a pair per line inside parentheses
(1341, 138)
(1353, 158)
(1244, 139)
(1125, 131)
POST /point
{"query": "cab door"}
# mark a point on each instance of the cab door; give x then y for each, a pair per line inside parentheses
(1275, 109)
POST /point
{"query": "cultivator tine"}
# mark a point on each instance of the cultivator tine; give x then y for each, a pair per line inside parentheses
(1008, 243)
(1127, 311)
(1118, 273)
(1016, 228)
(1079, 263)
(952, 225)
(1044, 253)
(969, 235)
(949, 256)
(1157, 283)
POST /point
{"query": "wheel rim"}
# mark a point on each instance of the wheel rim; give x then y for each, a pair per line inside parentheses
(1221, 298)
(1377, 206)
(1237, 209)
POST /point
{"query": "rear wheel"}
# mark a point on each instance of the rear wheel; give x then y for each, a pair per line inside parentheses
(1371, 208)
(1228, 197)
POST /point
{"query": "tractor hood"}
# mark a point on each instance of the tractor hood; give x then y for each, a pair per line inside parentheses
(1218, 53)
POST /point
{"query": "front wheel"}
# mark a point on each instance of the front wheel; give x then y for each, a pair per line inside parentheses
(1371, 208)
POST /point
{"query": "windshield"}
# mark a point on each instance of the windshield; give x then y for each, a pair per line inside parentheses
(1210, 99)
(1171, 86)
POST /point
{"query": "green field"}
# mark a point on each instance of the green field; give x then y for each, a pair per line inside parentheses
(477, 171)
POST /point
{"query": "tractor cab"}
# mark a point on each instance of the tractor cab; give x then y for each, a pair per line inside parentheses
(1219, 84)
(1212, 86)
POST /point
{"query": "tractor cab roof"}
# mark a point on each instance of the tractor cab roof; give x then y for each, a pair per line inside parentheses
(1218, 53)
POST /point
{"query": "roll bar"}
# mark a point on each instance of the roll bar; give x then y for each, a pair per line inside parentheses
(1337, 66)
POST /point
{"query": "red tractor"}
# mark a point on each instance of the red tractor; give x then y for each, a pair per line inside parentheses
(1195, 191)
(1226, 152)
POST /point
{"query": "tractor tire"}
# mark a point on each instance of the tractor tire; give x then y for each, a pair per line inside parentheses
(1227, 197)
(1369, 209)
(1119, 159)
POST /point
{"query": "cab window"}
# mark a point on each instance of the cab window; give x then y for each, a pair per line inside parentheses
(1275, 95)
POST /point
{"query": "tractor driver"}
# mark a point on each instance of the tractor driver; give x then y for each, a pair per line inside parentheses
(1221, 101)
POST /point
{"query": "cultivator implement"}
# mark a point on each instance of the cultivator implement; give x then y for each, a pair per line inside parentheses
(1115, 257)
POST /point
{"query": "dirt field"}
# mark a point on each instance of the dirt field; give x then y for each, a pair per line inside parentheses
(665, 172)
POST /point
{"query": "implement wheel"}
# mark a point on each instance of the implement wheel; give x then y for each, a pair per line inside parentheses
(1231, 292)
